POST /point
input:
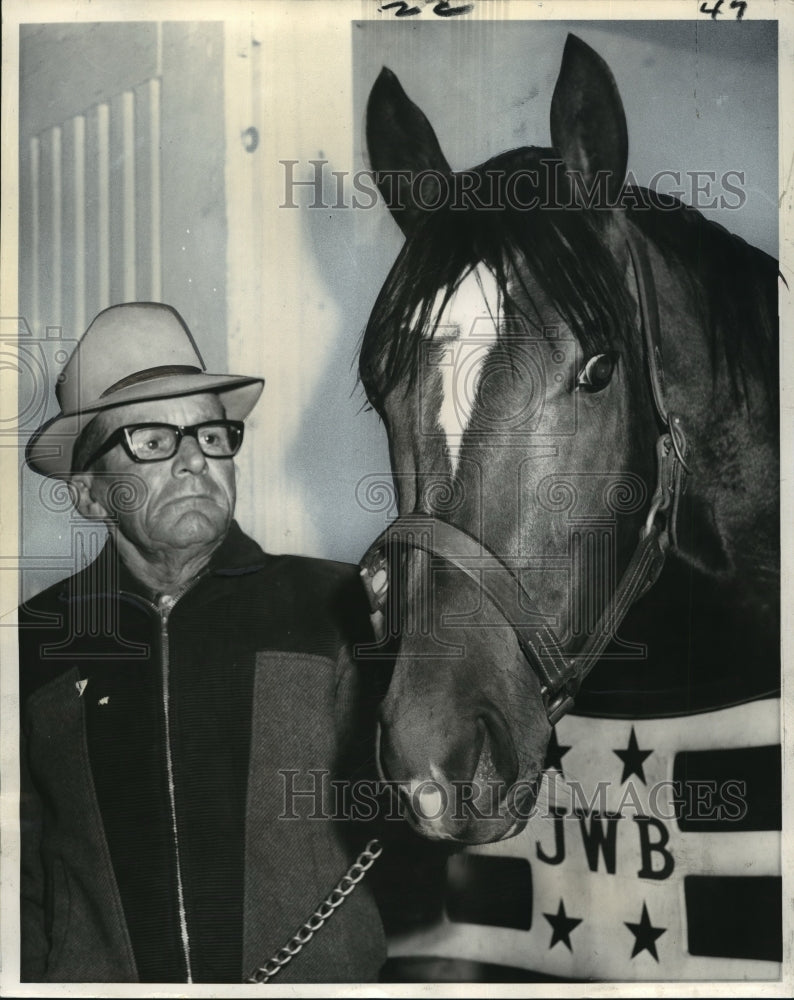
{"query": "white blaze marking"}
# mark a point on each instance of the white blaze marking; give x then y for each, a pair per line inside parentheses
(430, 802)
(430, 807)
(468, 325)
(80, 685)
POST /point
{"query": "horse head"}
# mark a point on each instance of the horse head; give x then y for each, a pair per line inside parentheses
(517, 354)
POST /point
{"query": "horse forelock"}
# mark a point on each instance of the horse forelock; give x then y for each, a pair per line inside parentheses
(560, 251)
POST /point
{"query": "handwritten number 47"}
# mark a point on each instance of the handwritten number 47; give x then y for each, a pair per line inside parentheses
(738, 5)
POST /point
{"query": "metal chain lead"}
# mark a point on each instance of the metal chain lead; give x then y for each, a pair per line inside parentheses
(323, 913)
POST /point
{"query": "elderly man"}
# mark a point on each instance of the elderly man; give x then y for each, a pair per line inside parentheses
(175, 690)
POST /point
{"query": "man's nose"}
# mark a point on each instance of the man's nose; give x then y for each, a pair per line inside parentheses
(189, 457)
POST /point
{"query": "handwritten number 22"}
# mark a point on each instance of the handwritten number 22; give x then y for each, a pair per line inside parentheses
(738, 5)
(442, 9)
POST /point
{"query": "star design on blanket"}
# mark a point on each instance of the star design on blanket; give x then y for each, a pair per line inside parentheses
(645, 934)
(562, 925)
(554, 754)
(633, 759)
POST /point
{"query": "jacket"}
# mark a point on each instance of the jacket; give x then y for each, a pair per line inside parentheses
(178, 757)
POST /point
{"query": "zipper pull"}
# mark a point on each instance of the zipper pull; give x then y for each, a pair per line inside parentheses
(165, 605)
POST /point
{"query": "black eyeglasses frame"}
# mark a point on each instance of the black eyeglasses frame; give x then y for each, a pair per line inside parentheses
(122, 435)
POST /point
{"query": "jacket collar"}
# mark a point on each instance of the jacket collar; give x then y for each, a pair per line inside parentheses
(235, 556)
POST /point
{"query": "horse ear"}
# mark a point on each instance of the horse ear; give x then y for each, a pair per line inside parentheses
(402, 145)
(588, 124)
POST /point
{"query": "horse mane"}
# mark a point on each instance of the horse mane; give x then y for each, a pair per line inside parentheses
(564, 249)
(734, 285)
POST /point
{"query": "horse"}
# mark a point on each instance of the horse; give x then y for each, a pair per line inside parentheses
(578, 378)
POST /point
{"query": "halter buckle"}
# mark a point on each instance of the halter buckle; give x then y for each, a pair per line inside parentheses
(374, 574)
(558, 704)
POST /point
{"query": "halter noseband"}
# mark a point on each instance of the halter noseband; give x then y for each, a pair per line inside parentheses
(560, 673)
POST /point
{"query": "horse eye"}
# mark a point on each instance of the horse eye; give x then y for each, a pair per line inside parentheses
(597, 373)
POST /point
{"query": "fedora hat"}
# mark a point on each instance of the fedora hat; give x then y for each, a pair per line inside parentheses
(131, 353)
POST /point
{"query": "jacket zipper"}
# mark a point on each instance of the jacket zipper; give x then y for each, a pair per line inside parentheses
(165, 607)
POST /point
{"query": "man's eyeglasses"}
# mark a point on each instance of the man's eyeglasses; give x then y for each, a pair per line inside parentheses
(159, 442)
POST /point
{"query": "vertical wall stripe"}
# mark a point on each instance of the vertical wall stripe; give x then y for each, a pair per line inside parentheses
(45, 235)
(68, 263)
(56, 179)
(128, 189)
(79, 262)
(103, 199)
(35, 225)
(94, 195)
(154, 194)
(92, 267)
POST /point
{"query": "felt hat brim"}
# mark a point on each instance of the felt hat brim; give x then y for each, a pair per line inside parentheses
(50, 451)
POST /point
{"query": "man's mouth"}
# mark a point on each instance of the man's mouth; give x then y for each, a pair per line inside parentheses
(192, 498)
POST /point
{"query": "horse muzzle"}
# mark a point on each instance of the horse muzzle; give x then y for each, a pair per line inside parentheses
(466, 790)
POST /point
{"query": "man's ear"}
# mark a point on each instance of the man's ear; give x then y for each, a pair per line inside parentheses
(85, 498)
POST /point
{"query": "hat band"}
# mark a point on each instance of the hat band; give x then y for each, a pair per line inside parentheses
(150, 373)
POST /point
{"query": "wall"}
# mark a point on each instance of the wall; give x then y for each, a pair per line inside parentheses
(121, 198)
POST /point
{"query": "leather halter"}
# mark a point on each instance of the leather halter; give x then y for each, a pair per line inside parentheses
(560, 673)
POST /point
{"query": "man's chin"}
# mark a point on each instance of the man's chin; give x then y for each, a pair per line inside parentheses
(197, 527)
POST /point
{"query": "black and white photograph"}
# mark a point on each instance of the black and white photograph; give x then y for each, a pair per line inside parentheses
(396, 461)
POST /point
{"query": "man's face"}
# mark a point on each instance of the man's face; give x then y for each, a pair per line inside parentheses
(185, 501)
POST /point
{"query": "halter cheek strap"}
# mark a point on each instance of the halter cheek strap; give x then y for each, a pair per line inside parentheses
(560, 674)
